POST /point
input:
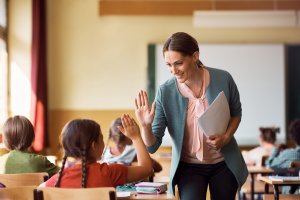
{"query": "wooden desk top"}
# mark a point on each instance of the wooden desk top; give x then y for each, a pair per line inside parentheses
(161, 179)
(276, 182)
(259, 169)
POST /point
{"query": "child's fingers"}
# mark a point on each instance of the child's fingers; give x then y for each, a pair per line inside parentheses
(126, 120)
(134, 122)
(129, 120)
(121, 129)
(123, 119)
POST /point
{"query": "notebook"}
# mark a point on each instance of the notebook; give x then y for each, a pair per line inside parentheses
(150, 188)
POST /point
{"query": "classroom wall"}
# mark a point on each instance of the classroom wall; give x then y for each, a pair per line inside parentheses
(97, 64)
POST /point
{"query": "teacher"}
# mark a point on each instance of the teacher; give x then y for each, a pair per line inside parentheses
(198, 160)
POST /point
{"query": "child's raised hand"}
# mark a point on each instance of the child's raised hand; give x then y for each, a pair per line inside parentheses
(129, 127)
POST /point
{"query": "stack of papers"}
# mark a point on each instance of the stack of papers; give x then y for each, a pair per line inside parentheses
(123, 194)
(284, 178)
(216, 118)
(151, 188)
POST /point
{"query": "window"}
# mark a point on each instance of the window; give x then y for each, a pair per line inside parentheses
(3, 62)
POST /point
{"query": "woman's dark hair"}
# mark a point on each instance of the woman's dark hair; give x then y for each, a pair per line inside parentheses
(77, 137)
(268, 134)
(114, 132)
(294, 131)
(183, 43)
(18, 133)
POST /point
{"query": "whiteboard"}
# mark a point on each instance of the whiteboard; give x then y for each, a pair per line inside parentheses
(258, 71)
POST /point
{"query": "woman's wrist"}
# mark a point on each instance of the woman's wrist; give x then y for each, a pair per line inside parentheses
(227, 137)
(146, 127)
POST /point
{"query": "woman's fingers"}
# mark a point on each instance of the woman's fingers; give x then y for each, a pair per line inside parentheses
(145, 98)
(140, 99)
(136, 104)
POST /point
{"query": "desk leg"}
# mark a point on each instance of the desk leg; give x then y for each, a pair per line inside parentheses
(252, 186)
(276, 192)
(266, 188)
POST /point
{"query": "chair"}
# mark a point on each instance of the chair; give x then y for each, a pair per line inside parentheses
(294, 165)
(263, 160)
(27, 179)
(53, 193)
(17, 193)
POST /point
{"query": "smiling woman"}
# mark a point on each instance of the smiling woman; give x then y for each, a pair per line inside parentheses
(196, 156)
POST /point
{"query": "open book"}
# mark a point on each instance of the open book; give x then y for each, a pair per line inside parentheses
(150, 187)
(216, 118)
(284, 178)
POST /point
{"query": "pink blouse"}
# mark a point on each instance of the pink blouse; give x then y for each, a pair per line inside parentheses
(195, 148)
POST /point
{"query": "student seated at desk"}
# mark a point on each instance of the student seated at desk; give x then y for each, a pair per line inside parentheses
(82, 139)
(267, 140)
(122, 150)
(280, 161)
(18, 136)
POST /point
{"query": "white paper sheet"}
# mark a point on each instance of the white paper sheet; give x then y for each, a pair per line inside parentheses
(284, 178)
(215, 119)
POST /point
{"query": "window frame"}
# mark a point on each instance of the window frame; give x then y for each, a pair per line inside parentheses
(4, 38)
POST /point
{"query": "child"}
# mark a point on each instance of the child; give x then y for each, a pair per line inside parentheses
(18, 136)
(280, 161)
(267, 140)
(122, 151)
(83, 140)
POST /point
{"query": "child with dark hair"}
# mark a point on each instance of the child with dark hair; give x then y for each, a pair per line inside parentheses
(280, 161)
(122, 150)
(82, 139)
(18, 134)
(267, 140)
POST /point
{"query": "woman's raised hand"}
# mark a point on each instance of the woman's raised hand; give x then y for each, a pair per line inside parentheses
(143, 113)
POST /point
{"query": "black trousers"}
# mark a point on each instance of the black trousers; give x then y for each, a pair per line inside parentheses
(193, 179)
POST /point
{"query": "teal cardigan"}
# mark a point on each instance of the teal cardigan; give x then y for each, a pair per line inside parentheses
(170, 112)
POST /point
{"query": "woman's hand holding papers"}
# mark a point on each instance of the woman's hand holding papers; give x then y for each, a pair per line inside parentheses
(217, 141)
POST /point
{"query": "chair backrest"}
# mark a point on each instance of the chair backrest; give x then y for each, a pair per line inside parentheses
(294, 168)
(27, 179)
(17, 193)
(294, 164)
(263, 160)
(52, 193)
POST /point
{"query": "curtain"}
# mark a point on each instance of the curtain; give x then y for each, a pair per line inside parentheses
(39, 74)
